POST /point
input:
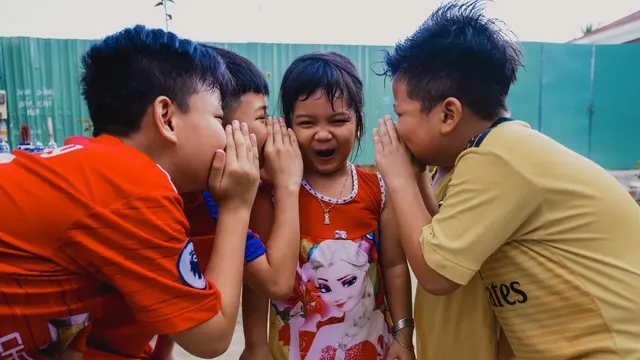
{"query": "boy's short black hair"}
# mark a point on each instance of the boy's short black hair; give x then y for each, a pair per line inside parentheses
(124, 73)
(246, 76)
(457, 52)
(332, 73)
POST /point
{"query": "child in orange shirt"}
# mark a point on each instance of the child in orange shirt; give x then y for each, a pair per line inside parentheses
(270, 269)
(117, 250)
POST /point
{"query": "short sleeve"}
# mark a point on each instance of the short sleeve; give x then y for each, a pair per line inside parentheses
(254, 248)
(140, 247)
(486, 202)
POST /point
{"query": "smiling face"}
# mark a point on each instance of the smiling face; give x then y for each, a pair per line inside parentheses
(341, 285)
(326, 133)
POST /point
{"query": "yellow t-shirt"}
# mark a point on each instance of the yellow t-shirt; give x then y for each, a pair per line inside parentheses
(556, 240)
(459, 326)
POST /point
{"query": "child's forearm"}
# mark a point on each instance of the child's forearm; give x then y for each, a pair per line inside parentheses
(226, 264)
(255, 316)
(398, 291)
(397, 281)
(284, 239)
(274, 272)
(395, 271)
(429, 199)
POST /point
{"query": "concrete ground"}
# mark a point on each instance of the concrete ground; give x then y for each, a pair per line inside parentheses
(629, 179)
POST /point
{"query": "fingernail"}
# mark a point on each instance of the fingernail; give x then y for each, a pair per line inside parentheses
(236, 123)
(228, 128)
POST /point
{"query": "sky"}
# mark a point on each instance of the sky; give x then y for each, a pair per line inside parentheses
(365, 22)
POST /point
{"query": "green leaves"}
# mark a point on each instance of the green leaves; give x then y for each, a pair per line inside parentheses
(167, 16)
(587, 28)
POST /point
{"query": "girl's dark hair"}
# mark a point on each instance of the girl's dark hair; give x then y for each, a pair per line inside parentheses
(332, 73)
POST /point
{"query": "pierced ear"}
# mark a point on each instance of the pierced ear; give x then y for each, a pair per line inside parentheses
(163, 111)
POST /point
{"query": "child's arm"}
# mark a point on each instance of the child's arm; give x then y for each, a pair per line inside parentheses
(255, 302)
(424, 184)
(397, 282)
(277, 219)
(231, 182)
(255, 316)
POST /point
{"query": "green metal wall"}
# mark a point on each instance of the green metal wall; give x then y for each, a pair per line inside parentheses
(586, 97)
(41, 78)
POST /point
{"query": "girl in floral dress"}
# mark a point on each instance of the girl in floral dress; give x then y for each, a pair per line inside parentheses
(352, 281)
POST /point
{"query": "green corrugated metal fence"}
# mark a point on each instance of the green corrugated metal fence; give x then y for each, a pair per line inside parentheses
(581, 95)
(41, 77)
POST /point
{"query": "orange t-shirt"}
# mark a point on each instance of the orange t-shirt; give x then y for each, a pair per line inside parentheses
(93, 231)
(202, 215)
(203, 226)
(337, 308)
(131, 340)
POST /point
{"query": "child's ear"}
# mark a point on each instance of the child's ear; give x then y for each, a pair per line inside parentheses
(452, 114)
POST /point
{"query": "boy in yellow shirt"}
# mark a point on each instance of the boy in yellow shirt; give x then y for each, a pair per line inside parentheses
(553, 236)
(461, 325)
